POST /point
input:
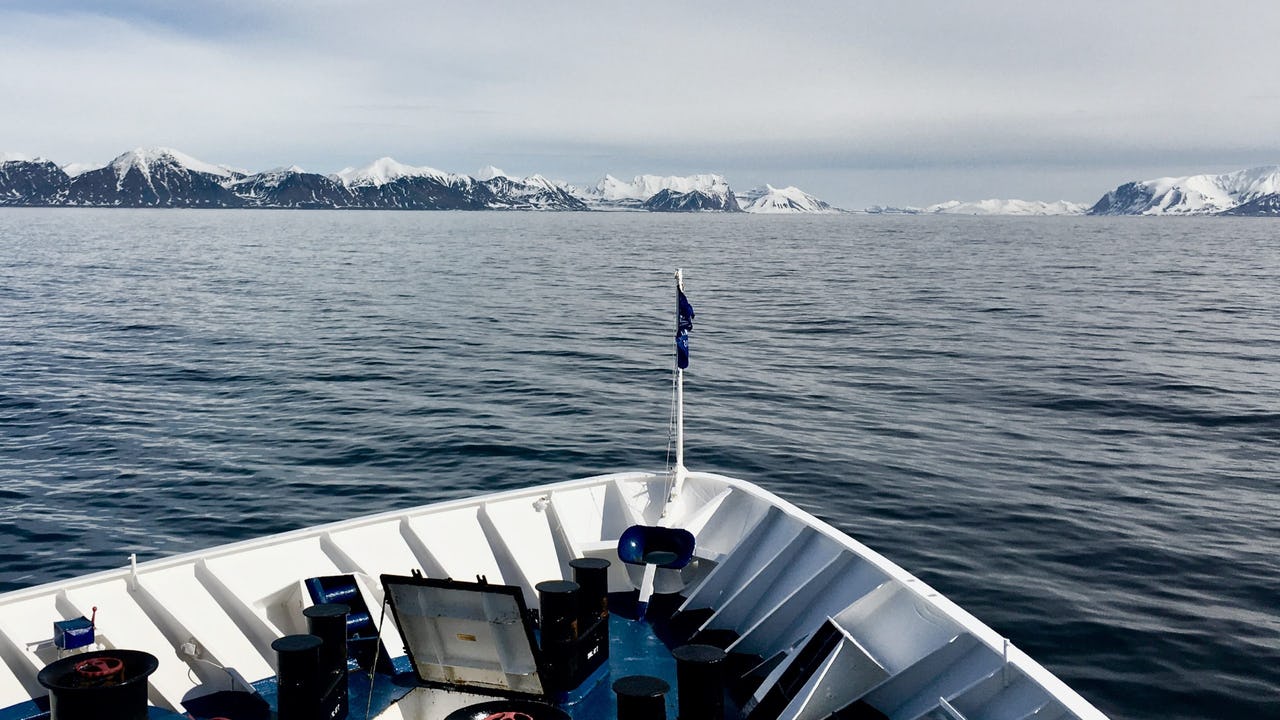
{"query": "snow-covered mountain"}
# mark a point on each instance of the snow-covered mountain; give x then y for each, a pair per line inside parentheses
(612, 193)
(693, 201)
(643, 187)
(387, 183)
(164, 177)
(144, 160)
(985, 207)
(78, 168)
(1265, 205)
(702, 192)
(154, 177)
(144, 177)
(292, 187)
(532, 193)
(384, 171)
(790, 199)
(26, 180)
(1007, 207)
(1252, 191)
(892, 210)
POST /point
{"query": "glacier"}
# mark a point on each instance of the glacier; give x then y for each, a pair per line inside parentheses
(1007, 207)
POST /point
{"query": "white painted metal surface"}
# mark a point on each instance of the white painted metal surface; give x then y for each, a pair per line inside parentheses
(765, 570)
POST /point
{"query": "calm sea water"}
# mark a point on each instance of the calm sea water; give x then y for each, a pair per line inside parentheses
(1071, 426)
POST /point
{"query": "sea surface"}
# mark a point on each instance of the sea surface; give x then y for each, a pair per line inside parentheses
(1070, 426)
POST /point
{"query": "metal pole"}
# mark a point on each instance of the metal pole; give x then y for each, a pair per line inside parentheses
(680, 469)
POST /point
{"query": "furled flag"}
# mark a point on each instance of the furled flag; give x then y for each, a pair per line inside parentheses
(684, 323)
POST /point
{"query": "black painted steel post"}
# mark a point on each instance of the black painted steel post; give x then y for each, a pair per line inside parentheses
(558, 615)
(558, 603)
(592, 575)
(328, 621)
(641, 697)
(700, 682)
(99, 685)
(297, 676)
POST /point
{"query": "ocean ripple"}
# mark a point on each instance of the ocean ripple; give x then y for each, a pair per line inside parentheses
(1067, 425)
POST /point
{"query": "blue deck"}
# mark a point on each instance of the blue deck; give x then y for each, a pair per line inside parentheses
(634, 649)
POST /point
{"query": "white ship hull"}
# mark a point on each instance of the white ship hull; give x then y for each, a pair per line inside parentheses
(766, 574)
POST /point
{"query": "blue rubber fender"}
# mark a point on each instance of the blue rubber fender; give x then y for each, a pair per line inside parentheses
(670, 548)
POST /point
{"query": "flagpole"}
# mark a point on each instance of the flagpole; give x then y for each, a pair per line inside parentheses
(680, 470)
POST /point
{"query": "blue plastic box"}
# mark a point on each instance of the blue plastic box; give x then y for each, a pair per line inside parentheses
(72, 634)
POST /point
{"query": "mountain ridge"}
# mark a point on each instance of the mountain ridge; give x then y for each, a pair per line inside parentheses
(160, 177)
(1251, 191)
(167, 178)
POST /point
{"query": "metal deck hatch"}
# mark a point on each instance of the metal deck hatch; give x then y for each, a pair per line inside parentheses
(468, 636)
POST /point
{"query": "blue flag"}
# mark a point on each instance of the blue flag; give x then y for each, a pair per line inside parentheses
(684, 323)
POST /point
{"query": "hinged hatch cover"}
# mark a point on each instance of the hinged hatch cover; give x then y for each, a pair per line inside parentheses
(467, 636)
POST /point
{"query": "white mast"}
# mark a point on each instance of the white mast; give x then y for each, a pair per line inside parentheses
(680, 471)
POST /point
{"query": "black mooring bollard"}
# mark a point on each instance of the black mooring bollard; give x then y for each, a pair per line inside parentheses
(592, 575)
(641, 697)
(700, 682)
(558, 613)
(99, 685)
(328, 621)
(297, 677)
(558, 610)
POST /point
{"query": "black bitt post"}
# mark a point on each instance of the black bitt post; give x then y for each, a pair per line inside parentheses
(98, 685)
(328, 621)
(558, 615)
(558, 600)
(700, 682)
(592, 575)
(297, 676)
(641, 697)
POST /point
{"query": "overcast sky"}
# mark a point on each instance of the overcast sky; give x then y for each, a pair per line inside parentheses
(860, 103)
